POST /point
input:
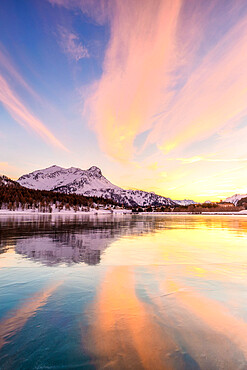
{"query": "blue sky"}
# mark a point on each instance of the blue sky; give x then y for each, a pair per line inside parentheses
(31, 42)
(152, 92)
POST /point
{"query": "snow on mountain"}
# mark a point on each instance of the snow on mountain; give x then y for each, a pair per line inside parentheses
(5, 181)
(185, 202)
(66, 180)
(131, 197)
(89, 182)
(235, 198)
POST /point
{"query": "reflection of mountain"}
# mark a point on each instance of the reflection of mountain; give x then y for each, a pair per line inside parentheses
(65, 248)
(56, 240)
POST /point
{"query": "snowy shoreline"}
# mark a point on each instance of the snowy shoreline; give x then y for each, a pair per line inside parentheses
(4, 212)
(64, 212)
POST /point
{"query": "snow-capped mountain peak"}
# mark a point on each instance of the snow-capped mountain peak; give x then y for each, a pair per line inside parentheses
(89, 182)
(50, 169)
(95, 169)
(235, 198)
(69, 180)
(185, 202)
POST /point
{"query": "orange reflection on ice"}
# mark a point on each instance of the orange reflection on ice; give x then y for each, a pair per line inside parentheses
(202, 342)
(213, 314)
(125, 331)
(17, 318)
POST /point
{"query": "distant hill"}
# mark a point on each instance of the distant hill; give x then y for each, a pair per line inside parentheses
(235, 198)
(185, 202)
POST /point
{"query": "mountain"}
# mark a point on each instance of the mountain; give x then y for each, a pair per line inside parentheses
(5, 181)
(185, 202)
(235, 198)
(70, 180)
(15, 197)
(89, 182)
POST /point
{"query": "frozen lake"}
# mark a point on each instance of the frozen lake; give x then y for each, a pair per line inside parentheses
(123, 292)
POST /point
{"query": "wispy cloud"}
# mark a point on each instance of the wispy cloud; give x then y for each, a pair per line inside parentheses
(71, 45)
(7, 67)
(11, 101)
(157, 76)
(214, 95)
(99, 10)
(23, 116)
(174, 72)
(134, 74)
(207, 159)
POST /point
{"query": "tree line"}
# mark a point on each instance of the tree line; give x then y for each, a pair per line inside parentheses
(15, 196)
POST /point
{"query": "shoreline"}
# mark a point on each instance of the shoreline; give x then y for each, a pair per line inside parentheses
(69, 213)
(120, 212)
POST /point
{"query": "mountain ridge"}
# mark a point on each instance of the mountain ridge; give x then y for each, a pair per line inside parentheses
(90, 182)
(235, 198)
(6, 181)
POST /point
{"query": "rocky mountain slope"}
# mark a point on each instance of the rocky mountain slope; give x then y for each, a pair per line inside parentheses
(235, 198)
(185, 202)
(6, 181)
(89, 182)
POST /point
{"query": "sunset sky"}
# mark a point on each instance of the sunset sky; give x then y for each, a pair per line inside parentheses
(154, 92)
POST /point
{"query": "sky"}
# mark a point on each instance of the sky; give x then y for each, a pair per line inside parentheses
(154, 92)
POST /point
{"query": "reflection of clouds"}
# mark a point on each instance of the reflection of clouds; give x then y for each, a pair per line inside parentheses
(17, 318)
(188, 314)
(208, 331)
(127, 334)
(170, 324)
(213, 314)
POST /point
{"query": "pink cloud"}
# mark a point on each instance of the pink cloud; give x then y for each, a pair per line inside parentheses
(7, 66)
(213, 98)
(163, 73)
(135, 73)
(22, 115)
(13, 104)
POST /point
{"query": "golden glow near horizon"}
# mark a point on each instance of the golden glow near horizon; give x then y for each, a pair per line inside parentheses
(183, 246)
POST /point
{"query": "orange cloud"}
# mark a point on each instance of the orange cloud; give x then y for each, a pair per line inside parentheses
(176, 72)
(214, 95)
(146, 56)
(135, 72)
(22, 115)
